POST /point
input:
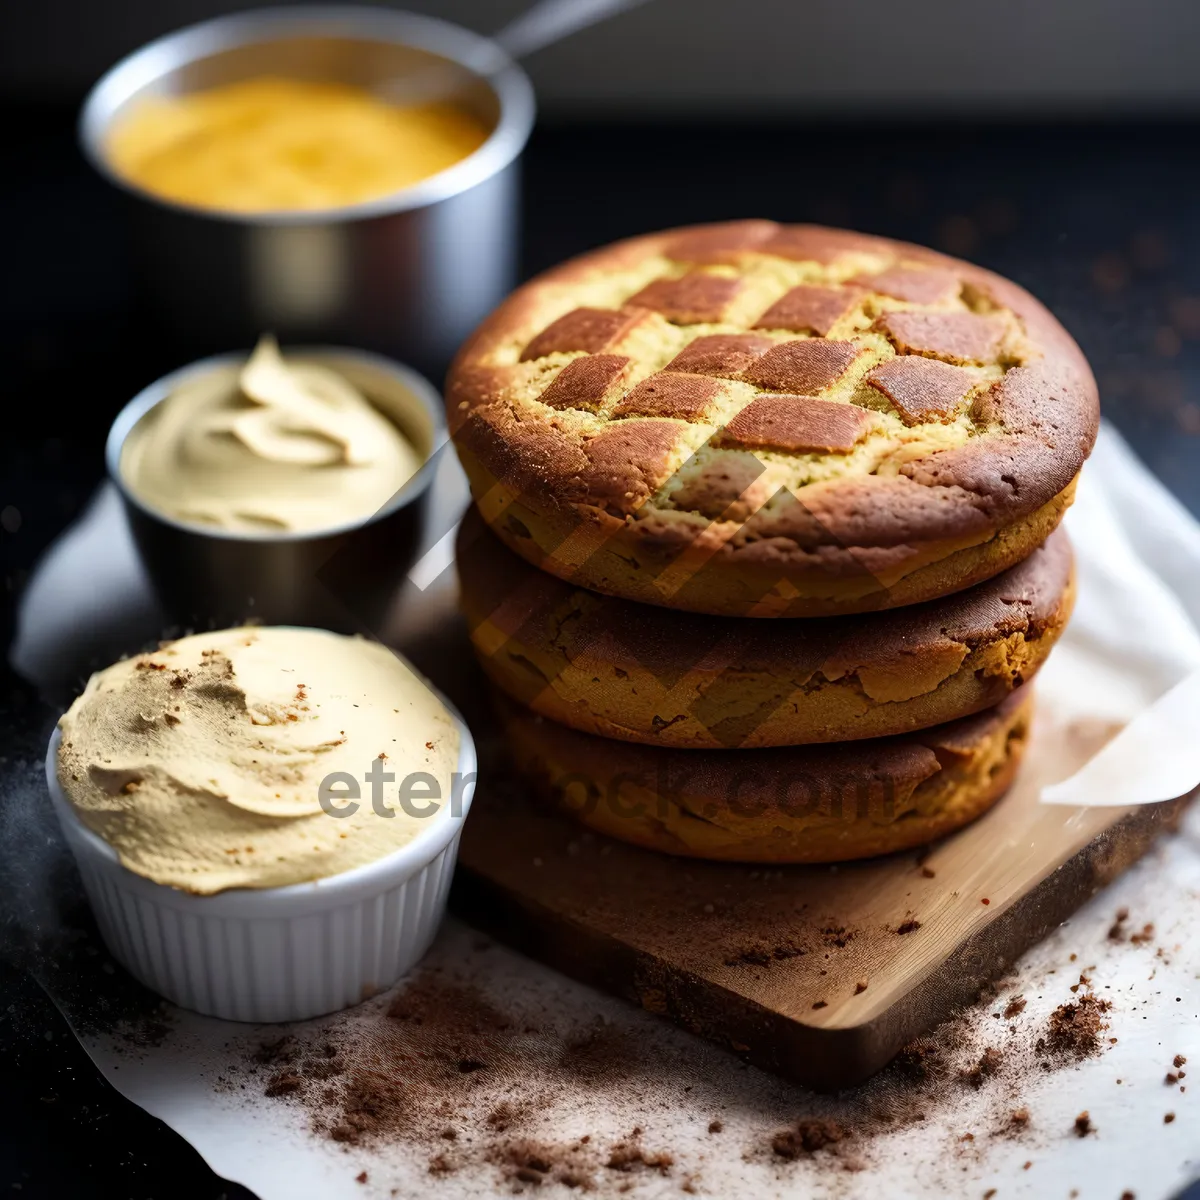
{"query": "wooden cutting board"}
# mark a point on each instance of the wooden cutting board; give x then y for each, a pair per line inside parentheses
(772, 962)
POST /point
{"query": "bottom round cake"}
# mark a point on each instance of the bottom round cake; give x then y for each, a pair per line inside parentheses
(802, 804)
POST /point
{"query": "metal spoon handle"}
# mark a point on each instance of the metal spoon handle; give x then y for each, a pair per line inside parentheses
(549, 21)
(544, 22)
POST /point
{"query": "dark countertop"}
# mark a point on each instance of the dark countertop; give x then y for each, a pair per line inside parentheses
(1100, 222)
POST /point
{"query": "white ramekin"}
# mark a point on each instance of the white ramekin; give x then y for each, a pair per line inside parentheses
(273, 954)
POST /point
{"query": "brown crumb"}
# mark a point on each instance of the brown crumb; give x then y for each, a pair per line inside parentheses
(911, 925)
(715, 1126)
(283, 1084)
(1168, 1118)
(989, 1063)
(1146, 934)
(1178, 1060)
(928, 872)
(860, 987)
(1014, 1007)
(762, 954)
(1074, 1029)
(1019, 1118)
(920, 1061)
(1171, 1078)
(628, 1155)
(1116, 932)
(820, 1004)
(807, 1137)
(361, 1177)
(529, 1162)
(1083, 1124)
(837, 936)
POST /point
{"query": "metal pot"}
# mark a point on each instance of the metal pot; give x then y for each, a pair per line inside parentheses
(410, 274)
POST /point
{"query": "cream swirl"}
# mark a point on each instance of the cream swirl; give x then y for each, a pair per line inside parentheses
(275, 445)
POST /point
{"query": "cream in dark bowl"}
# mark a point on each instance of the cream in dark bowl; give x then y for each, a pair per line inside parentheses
(288, 489)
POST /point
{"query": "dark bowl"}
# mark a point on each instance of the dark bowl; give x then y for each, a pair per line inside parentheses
(343, 578)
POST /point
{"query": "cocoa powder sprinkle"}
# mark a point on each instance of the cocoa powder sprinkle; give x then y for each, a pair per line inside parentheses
(443, 1067)
(808, 1137)
(989, 1064)
(1074, 1029)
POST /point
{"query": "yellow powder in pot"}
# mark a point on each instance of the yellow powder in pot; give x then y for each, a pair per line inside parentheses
(267, 145)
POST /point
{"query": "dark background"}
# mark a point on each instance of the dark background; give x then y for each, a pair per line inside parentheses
(749, 58)
(1053, 142)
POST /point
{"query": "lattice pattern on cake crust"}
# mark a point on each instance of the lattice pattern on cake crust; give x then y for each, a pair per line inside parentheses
(832, 357)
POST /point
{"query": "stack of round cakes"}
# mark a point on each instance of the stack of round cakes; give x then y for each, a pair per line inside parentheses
(764, 551)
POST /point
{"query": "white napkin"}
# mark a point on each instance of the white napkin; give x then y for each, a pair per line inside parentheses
(1133, 645)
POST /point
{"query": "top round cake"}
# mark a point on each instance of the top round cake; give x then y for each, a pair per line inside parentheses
(754, 419)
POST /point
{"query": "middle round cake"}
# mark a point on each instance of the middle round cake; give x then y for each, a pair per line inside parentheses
(640, 673)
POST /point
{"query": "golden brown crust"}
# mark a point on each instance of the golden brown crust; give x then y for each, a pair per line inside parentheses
(920, 389)
(809, 309)
(940, 468)
(585, 382)
(796, 805)
(645, 674)
(797, 425)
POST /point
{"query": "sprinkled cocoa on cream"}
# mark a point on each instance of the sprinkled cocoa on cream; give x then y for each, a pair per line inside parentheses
(245, 757)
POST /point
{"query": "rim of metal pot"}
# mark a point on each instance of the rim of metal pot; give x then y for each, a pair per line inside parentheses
(476, 54)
